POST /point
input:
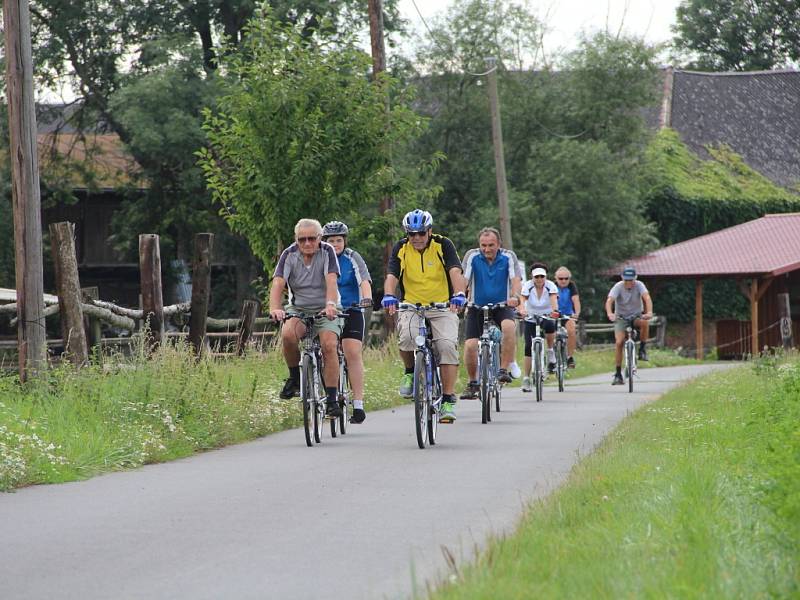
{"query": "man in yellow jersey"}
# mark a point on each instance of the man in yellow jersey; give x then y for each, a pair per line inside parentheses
(424, 267)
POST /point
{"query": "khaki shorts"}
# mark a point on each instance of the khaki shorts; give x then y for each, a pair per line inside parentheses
(621, 325)
(444, 326)
(321, 324)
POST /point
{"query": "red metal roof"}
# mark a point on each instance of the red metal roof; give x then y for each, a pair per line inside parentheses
(766, 246)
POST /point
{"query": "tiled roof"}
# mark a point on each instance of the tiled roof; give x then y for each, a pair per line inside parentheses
(756, 114)
(766, 246)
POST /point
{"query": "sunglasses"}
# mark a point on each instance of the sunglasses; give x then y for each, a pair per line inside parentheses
(307, 240)
(563, 278)
(538, 276)
(417, 234)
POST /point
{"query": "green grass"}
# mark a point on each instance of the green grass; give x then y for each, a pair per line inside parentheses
(694, 496)
(74, 425)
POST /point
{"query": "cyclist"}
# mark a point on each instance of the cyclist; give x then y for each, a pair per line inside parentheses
(629, 299)
(424, 267)
(569, 305)
(310, 269)
(540, 299)
(355, 288)
(493, 275)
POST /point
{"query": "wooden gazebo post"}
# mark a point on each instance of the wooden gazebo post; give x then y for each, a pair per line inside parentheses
(698, 317)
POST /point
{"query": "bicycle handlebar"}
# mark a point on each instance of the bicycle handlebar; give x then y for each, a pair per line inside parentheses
(423, 307)
(490, 306)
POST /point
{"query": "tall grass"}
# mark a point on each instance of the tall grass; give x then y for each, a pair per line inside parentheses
(71, 425)
(694, 496)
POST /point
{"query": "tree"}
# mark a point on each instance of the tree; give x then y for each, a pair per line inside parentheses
(739, 35)
(300, 131)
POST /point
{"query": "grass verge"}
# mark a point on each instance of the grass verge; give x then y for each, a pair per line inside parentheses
(694, 496)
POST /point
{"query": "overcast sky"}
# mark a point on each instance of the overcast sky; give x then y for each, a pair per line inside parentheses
(565, 19)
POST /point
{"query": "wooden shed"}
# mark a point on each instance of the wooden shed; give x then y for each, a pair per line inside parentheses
(763, 256)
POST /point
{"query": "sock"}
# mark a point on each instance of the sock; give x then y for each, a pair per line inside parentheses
(473, 382)
(551, 355)
(358, 404)
(294, 373)
(619, 371)
(331, 391)
(409, 370)
(642, 345)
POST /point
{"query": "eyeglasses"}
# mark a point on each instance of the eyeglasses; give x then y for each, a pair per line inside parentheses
(538, 276)
(563, 278)
(307, 240)
(417, 234)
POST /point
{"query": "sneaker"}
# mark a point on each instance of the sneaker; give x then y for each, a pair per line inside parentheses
(570, 362)
(407, 385)
(618, 379)
(447, 414)
(358, 416)
(503, 376)
(291, 388)
(471, 391)
(642, 353)
(526, 384)
(514, 370)
(332, 408)
(551, 367)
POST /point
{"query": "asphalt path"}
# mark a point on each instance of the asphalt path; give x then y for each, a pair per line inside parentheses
(367, 515)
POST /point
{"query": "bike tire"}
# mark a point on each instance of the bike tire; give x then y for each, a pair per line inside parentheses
(485, 393)
(561, 364)
(319, 402)
(497, 391)
(433, 414)
(306, 399)
(345, 396)
(421, 404)
(538, 376)
(630, 349)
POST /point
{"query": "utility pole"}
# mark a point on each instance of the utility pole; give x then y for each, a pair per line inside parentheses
(499, 158)
(25, 189)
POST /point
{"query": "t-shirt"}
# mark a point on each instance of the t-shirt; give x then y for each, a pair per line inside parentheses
(352, 271)
(490, 283)
(424, 276)
(628, 303)
(565, 294)
(539, 305)
(307, 287)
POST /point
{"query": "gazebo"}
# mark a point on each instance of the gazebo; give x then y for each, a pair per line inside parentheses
(762, 255)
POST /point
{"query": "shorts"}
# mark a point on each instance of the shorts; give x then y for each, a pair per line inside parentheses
(547, 326)
(353, 328)
(621, 324)
(444, 326)
(321, 324)
(474, 320)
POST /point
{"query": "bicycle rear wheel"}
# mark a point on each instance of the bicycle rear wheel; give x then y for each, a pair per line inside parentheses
(486, 397)
(561, 364)
(421, 404)
(307, 398)
(630, 349)
(538, 374)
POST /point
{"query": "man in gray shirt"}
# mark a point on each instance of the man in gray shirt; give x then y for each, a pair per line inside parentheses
(629, 299)
(310, 270)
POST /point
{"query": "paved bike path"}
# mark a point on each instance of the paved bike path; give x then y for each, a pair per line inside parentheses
(363, 516)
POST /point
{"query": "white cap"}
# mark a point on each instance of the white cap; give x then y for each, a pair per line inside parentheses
(538, 271)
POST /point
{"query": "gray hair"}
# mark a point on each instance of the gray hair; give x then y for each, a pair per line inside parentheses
(308, 223)
(563, 269)
(493, 231)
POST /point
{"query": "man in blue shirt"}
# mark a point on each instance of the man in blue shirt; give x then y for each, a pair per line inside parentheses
(493, 275)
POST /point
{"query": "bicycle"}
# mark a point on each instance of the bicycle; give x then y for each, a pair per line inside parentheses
(560, 348)
(489, 361)
(312, 386)
(629, 351)
(427, 378)
(538, 355)
(344, 394)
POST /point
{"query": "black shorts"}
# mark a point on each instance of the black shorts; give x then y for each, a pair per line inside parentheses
(474, 320)
(353, 325)
(547, 326)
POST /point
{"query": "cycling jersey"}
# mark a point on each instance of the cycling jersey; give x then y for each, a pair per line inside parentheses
(352, 271)
(565, 294)
(539, 305)
(424, 276)
(490, 283)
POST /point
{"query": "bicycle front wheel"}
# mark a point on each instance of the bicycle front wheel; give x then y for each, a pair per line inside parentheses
(630, 349)
(538, 371)
(307, 398)
(421, 404)
(486, 397)
(561, 364)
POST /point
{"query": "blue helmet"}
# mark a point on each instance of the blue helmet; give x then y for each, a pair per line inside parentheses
(417, 220)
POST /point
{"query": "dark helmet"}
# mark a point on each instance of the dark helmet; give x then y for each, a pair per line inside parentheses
(417, 220)
(334, 228)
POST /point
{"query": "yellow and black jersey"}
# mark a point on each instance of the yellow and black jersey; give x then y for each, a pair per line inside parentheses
(424, 275)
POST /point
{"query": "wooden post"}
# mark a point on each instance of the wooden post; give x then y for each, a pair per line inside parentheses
(698, 317)
(754, 317)
(68, 286)
(94, 330)
(499, 157)
(152, 298)
(249, 312)
(25, 189)
(201, 290)
(784, 310)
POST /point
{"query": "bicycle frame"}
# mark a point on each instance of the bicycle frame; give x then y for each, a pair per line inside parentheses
(629, 352)
(538, 347)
